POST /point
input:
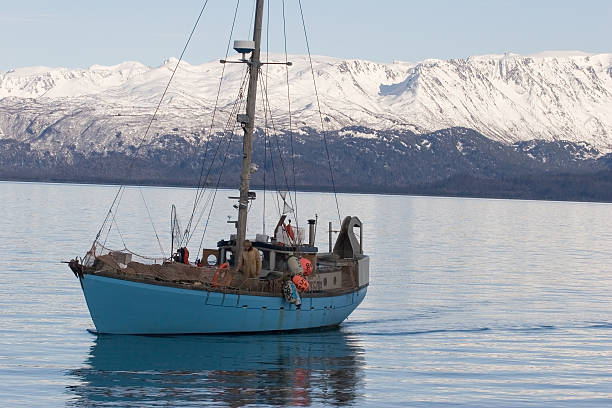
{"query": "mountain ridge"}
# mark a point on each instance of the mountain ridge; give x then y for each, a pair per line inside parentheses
(506, 97)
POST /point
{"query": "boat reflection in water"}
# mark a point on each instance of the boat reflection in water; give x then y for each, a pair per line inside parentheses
(290, 369)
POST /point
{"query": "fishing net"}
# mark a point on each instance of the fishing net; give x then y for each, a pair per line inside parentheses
(123, 256)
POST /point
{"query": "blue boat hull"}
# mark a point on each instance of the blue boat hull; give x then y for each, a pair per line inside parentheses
(125, 307)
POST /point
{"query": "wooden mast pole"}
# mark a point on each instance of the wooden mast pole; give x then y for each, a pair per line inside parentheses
(247, 144)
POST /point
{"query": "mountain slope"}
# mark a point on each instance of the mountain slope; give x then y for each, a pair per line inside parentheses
(507, 98)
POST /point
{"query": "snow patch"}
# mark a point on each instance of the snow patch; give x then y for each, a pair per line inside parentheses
(359, 135)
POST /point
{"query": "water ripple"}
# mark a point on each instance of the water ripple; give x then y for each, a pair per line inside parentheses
(472, 303)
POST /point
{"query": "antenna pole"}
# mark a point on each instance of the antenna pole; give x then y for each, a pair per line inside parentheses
(247, 145)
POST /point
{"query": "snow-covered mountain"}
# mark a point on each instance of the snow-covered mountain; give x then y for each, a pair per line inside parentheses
(508, 98)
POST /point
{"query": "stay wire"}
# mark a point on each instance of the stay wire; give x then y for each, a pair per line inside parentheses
(214, 195)
(266, 119)
(211, 196)
(297, 224)
(202, 186)
(266, 142)
(120, 234)
(233, 133)
(278, 151)
(161, 248)
(114, 216)
(191, 230)
(110, 210)
(226, 130)
(130, 169)
(331, 172)
(252, 17)
(277, 139)
(235, 108)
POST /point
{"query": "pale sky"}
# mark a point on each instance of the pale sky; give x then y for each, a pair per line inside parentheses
(82, 33)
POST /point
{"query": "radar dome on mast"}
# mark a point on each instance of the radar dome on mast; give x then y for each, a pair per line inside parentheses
(244, 47)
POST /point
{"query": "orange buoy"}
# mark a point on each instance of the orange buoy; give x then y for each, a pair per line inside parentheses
(289, 230)
(220, 274)
(306, 266)
(300, 283)
(186, 256)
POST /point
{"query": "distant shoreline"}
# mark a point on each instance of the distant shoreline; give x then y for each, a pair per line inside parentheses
(440, 189)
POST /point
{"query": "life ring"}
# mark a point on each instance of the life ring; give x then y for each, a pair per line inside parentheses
(220, 274)
(300, 283)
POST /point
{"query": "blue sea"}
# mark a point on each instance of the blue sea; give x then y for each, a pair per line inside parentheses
(472, 303)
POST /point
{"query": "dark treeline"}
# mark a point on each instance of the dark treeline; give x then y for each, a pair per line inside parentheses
(452, 162)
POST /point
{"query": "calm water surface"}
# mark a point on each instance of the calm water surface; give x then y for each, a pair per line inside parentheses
(472, 303)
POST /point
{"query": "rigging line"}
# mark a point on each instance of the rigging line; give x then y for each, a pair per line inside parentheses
(113, 218)
(266, 141)
(252, 17)
(237, 105)
(108, 213)
(145, 257)
(235, 108)
(158, 106)
(120, 235)
(201, 186)
(223, 134)
(217, 187)
(266, 119)
(267, 37)
(297, 224)
(276, 189)
(331, 172)
(203, 211)
(161, 248)
(208, 174)
(196, 199)
(267, 132)
(232, 115)
(115, 203)
(204, 207)
(269, 110)
(278, 148)
(265, 164)
(208, 139)
(274, 176)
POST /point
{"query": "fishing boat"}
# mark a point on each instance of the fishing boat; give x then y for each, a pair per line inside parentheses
(295, 287)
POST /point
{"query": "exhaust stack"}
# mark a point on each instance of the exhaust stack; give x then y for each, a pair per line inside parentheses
(311, 232)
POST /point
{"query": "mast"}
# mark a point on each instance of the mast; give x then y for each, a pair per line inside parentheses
(247, 144)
